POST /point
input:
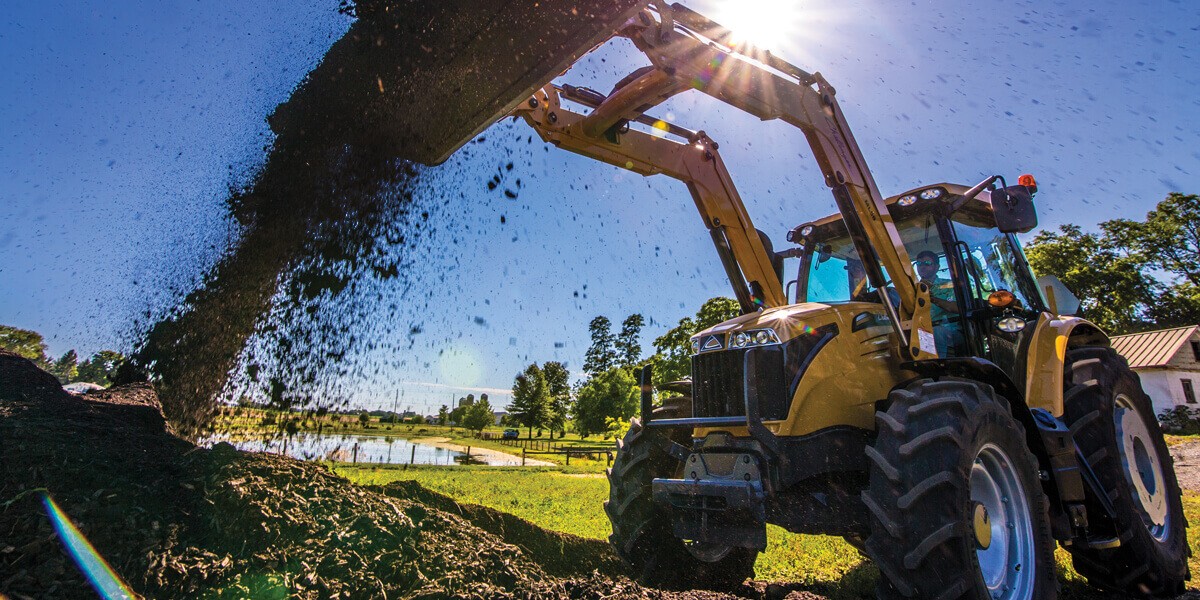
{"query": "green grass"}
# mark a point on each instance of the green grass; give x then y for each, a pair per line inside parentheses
(548, 498)
(556, 500)
(573, 502)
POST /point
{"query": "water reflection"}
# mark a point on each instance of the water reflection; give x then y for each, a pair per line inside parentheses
(362, 449)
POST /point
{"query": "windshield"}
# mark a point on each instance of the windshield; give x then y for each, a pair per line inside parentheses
(831, 271)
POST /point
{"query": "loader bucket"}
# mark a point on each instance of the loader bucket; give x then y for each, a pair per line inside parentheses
(420, 78)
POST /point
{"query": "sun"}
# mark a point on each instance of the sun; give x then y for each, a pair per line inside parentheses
(460, 366)
(767, 24)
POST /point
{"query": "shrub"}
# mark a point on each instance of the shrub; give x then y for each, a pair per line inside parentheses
(1181, 420)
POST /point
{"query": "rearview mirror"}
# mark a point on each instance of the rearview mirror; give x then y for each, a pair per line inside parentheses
(824, 253)
(1013, 209)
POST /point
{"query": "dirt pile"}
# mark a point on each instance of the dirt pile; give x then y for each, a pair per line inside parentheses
(174, 520)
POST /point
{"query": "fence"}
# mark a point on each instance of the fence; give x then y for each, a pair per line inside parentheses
(592, 452)
(550, 447)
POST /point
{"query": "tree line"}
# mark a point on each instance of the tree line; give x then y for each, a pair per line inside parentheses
(608, 395)
(101, 368)
(1132, 275)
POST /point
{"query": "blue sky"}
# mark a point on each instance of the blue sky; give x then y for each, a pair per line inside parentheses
(124, 123)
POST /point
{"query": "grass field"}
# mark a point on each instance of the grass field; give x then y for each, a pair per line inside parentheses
(572, 502)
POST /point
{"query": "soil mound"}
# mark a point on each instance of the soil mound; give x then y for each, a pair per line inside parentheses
(175, 520)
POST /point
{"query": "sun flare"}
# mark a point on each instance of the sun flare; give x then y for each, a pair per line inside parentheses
(767, 24)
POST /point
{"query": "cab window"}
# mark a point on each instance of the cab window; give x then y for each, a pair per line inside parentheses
(993, 264)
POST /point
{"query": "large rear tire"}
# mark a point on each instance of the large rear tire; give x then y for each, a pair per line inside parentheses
(1113, 423)
(642, 533)
(957, 509)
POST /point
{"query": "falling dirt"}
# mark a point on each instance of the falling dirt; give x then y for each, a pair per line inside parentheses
(329, 208)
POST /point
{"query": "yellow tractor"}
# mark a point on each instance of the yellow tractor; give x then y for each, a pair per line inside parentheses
(898, 377)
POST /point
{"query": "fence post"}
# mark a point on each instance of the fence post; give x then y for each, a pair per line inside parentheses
(468, 453)
(522, 457)
(355, 453)
(568, 458)
(413, 457)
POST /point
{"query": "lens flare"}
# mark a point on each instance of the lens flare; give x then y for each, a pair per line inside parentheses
(767, 24)
(107, 583)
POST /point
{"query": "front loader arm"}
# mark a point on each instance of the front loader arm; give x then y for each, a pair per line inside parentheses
(695, 162)
(761, 84)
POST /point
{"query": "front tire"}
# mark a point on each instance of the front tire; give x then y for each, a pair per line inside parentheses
(1113, 423)
(642, 535)
(957, 510)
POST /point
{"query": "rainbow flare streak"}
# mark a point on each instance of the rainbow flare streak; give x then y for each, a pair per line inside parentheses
(107, 583)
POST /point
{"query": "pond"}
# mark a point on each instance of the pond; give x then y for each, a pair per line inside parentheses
(364, 449)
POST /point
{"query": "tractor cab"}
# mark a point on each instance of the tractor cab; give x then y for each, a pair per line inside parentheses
(985, 297)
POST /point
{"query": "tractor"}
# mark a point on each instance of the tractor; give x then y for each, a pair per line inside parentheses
(898, 376)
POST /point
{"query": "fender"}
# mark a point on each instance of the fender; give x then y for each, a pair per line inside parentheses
(1046, 357)
(984, 371)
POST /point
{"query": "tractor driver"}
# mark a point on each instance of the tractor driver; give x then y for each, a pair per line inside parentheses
(946, 332)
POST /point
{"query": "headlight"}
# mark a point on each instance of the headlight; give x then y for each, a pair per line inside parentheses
(906, 200)
(756, 337)
(1011, 324)
(931, 193)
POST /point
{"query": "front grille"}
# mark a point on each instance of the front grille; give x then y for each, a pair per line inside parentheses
(717, 382)
(717, 385)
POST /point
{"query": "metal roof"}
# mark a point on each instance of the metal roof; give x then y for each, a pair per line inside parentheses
(1152, 348)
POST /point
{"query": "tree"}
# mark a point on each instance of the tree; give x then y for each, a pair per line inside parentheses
(24, 342)
(443, 415)
(602, 354)
(478, 416)
(456, 415)
(364, 418)
(610, 395)
(1113, 291)
(1133, 275)
(66, 368)
(673, 357)
(629, 348)
(1169, 239)
(1178, 305)
(101, 368)
(559, 387)
(531, 399)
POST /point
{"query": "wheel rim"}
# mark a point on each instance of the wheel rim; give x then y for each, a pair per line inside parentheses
(1003, 526)
(1141, 466)
(707, 551)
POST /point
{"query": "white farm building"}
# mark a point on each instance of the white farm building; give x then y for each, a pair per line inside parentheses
(1168, 361)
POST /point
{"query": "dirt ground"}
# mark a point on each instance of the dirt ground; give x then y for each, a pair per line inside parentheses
(1187, 465)
(174, 520)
